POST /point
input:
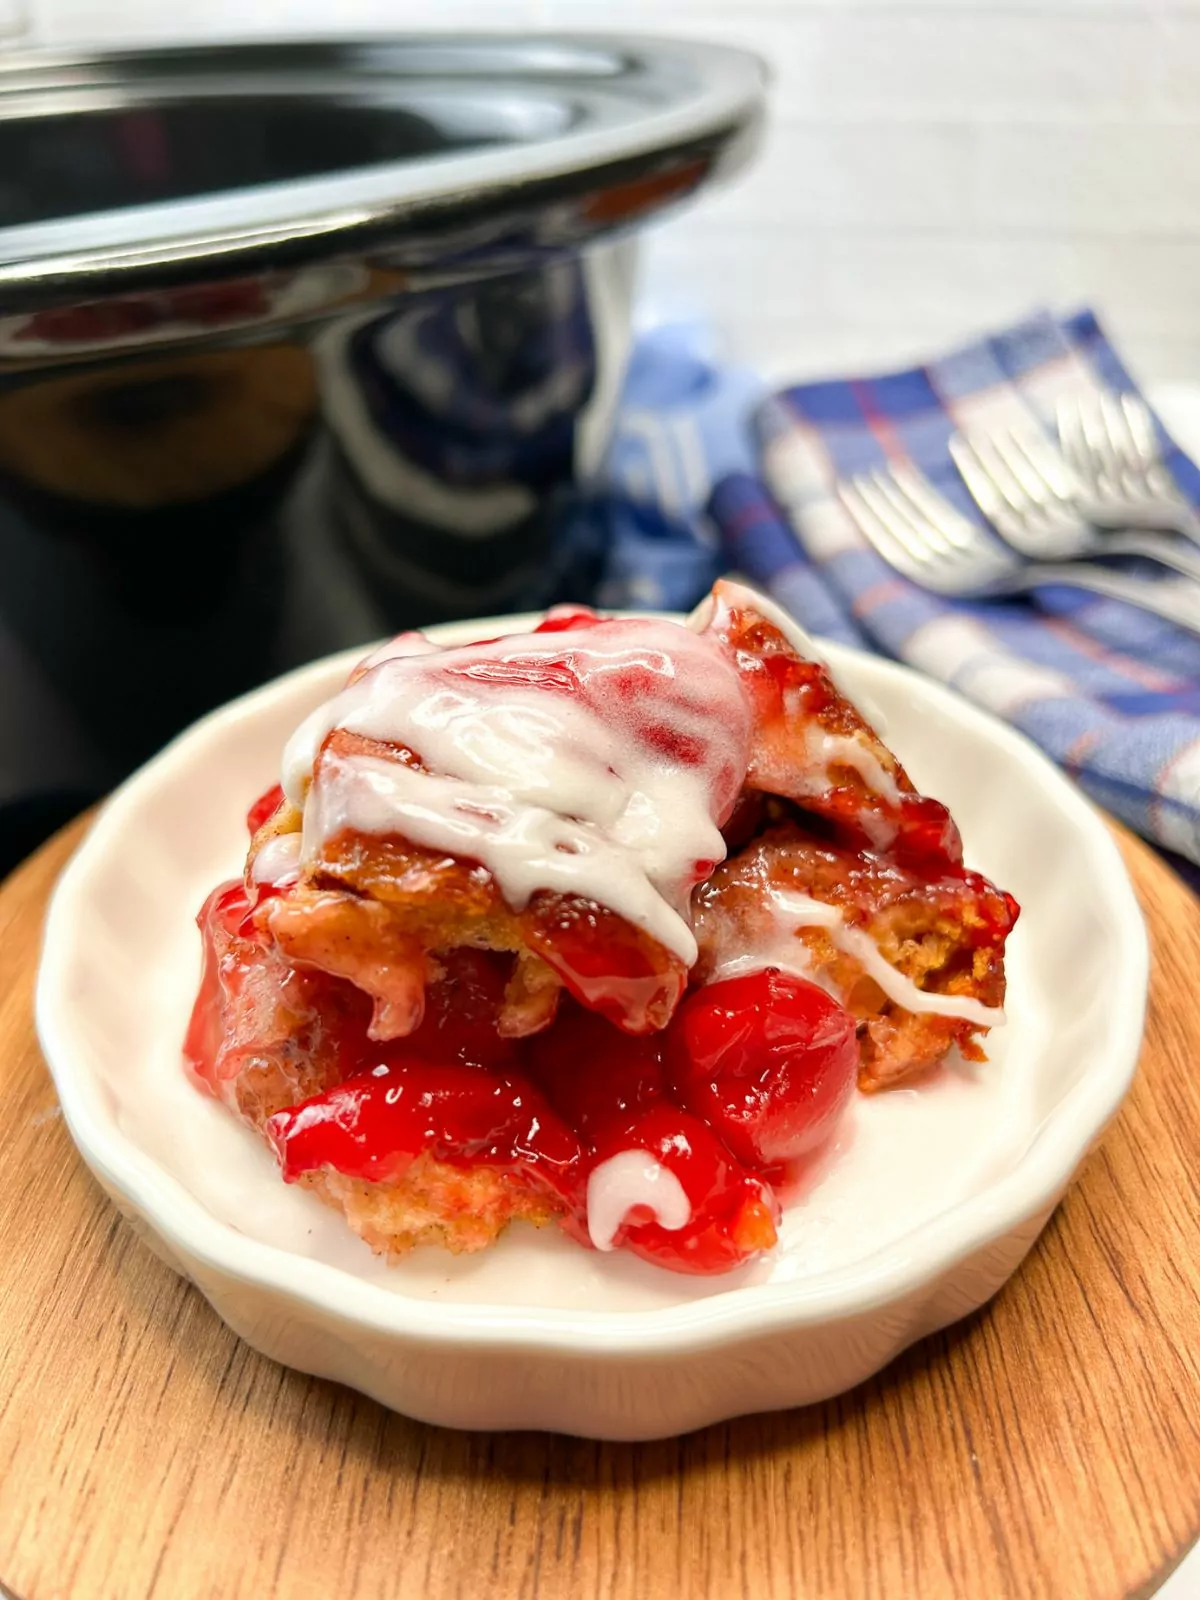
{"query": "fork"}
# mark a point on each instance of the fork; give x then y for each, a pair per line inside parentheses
(1033, 498)
(1112, 445)
(930, 542)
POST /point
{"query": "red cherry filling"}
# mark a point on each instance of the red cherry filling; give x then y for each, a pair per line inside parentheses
(605, 963)
(750, 1073)
(374, 1124)
(592, 1074)
(565, 619)
(461, 1013)
(767, 1060)
(263, 808)
(254, 1009)
(733, 1213)
(207, 1039)
(787, 690)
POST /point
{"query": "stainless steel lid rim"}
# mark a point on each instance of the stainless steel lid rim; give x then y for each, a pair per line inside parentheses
(683, 102)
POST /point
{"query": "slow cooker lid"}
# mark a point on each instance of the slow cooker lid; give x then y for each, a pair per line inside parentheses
(125, 161)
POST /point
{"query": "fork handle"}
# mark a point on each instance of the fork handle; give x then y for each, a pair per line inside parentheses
(1160, 548)
(1161, 516)
(1173, 602)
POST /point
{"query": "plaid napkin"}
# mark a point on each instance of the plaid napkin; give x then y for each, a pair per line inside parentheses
(707, 473)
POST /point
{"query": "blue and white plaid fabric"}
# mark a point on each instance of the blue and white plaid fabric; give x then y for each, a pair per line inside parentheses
(708, 473)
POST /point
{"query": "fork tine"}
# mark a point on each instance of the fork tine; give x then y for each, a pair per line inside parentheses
(1021, 501)
(1072, 438)
(984, 489)
(1095, 432)
(951, 536)
(1140, 426)
(932, 506)
(906, 559)
(1006, 448)
(898, 524)
(1130, 469)
(1145, 440)
(1049, 463)
(973, 563)
(1055, 526)
(929, 531)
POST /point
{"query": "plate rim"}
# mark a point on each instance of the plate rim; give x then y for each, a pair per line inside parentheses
(910, 1264)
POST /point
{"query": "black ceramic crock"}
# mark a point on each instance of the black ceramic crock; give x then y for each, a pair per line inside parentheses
(301, 344)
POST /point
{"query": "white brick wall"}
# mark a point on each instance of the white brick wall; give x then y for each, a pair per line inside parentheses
(931, 166)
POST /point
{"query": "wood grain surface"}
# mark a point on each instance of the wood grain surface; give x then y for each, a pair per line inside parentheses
(1049, 1447)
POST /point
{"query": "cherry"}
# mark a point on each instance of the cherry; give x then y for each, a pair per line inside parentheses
(373, 1125)
(264, 808)
(733, 1214)
(219, 919)
(605, 963)
(788, 692)
(564, 619)
(593, 1073)
(462, 1009)
(767, 1060)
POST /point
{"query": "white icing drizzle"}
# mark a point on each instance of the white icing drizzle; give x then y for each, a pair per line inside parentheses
(548, 790)
(795, 911)
(277, 860)
(780, 948)
(903, 992)
(788, 953)
(633, 1178)
(825, 750)
(404, 644)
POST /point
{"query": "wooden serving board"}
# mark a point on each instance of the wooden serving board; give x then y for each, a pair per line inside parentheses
(1049, 1447)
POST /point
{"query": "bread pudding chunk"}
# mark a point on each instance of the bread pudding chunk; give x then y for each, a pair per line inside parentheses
(597, 927)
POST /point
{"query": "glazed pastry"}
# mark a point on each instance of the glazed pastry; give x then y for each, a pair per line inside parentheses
(594, 926)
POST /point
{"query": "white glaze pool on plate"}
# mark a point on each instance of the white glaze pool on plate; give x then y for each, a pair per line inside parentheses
(923, 1206)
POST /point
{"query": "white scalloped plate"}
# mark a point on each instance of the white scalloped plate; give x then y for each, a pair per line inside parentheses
(925, 1204)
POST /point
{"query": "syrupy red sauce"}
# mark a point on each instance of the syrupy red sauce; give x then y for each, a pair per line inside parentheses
(264, 808)
(725, 1105)
(605, 963)
(787, 690)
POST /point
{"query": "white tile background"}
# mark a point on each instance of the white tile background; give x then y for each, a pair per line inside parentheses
(932, 166)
